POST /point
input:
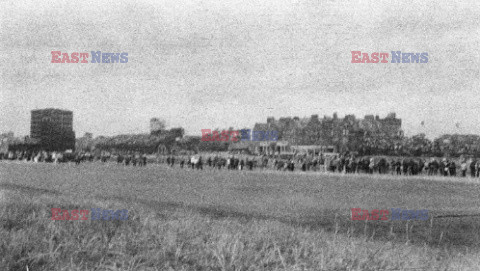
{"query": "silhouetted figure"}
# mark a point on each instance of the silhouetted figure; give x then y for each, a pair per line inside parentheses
(452, 168)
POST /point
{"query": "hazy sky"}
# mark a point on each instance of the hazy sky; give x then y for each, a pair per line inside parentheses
(208, 64)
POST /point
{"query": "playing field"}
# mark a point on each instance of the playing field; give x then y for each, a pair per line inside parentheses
(181, 219)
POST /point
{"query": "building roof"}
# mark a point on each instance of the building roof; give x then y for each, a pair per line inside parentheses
(52, 110)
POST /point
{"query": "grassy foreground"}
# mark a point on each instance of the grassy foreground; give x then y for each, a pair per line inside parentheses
(184, 220)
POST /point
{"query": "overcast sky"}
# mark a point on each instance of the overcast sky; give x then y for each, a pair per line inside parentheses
(208, 64)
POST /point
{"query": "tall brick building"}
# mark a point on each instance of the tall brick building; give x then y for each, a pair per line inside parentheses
(53, 128)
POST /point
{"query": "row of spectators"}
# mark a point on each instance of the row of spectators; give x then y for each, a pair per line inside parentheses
(35, 156)
(405, 166)
(80, 157)
(339, 164)
(348, 164)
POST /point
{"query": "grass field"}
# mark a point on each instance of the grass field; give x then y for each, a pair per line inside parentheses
(221, 220)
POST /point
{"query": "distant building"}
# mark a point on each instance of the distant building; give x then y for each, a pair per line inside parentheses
(340, 134)
(260, 147)
(313, 150)
(156, 126)
(53, 128)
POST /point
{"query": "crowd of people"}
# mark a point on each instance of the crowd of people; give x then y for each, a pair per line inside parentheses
(216, 162)
(127, 158)
(34, 156)
(338, 164)
(133, 158)
(406, 166)
(348, 164)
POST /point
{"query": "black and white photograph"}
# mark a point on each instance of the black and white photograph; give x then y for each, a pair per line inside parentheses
(239, 135)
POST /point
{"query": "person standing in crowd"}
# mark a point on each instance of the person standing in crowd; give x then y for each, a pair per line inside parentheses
(435, 166)
(429, 167)
(445, 167)
(354, 165)
(473, 170)
(341, 166)
(222, 163)
(336, 164)
(330, 166)
(134, 160)
(421, 166)
(404, 166)
(119, 159)
(235, 163)
(347, 165)
(452, 168)
(36, 158)
(315, 164)
(200, 163)
(463, 166)
(413, 167)
(250, 165)
(209, 161)
(10, 155)
(304, 165)
(194, 162)
(441, 167)
(371, 165)
(398, 167)
(265, 162)
(138, 157)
